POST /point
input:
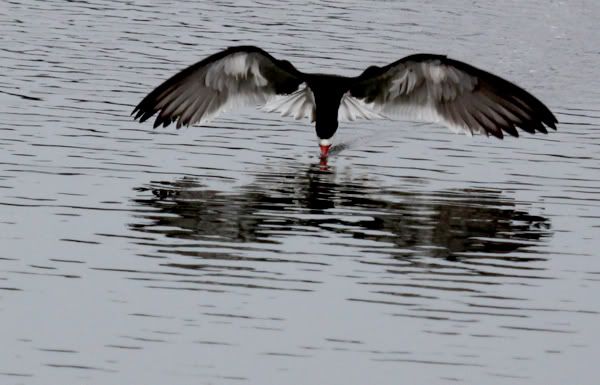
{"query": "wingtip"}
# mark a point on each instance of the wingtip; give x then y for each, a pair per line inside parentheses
(138, 114)
(548, 118)
(497, 133)
(157, 122)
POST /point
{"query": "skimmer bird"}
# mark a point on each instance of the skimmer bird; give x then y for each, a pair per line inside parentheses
(427, 87)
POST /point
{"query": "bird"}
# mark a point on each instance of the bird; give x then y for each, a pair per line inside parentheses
(426, 87)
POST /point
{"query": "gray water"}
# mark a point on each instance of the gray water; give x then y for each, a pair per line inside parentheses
(226, 255)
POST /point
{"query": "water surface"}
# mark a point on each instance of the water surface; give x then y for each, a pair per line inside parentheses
(227, 255)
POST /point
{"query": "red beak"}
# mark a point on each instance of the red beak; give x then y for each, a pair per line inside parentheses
(324, 150)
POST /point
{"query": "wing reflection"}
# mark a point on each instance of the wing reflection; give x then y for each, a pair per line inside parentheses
(448, 224)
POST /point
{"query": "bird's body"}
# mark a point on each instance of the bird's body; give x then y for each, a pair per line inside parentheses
(423, 86)
(328, 91)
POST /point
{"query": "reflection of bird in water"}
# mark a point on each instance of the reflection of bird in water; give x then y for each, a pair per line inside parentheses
(315, 202)
(426, 87)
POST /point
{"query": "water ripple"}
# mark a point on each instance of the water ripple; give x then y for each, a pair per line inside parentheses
(227, 254)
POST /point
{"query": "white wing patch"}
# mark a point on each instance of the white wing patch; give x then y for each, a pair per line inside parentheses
(301, 104)
(352, 109)
(298, 104)
(226, 73)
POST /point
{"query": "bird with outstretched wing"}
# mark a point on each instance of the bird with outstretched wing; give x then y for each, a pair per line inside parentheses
(427, 87)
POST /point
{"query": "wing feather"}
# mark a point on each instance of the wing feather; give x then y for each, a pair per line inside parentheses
(351, 109)
(299, 104)
(435, 88)
(237, 76)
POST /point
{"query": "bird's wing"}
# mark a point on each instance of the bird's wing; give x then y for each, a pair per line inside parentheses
(236, 76)
(435, 88)
(298, 104)
(352, 108)
(301, 104)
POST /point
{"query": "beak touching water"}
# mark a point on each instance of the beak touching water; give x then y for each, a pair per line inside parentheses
(325, 145)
